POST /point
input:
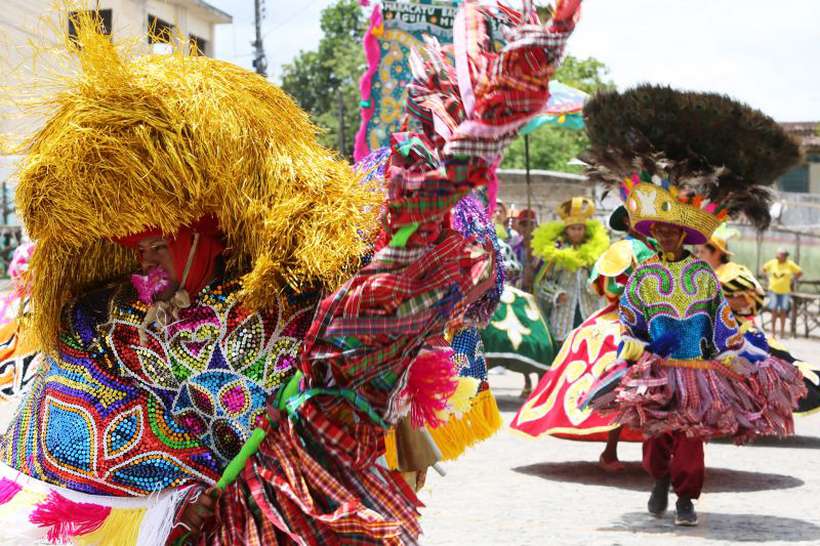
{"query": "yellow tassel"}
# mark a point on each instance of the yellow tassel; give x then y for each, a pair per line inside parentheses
(121, 528)
(390, 453)
(456, 435)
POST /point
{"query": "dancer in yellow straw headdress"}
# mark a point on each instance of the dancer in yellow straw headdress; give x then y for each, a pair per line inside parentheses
(222, 367)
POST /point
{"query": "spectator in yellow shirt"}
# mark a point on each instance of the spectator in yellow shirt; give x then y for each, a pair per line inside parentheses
(781, 271)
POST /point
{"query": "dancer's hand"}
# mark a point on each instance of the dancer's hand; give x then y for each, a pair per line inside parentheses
(200, 510)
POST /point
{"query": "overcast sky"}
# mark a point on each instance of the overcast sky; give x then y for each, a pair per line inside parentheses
(764, 52)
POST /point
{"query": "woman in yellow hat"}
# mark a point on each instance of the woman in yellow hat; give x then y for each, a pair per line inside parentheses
(568, 248)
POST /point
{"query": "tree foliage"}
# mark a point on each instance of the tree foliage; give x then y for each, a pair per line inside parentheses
(319, 80)
(552, 147)
(325, 82)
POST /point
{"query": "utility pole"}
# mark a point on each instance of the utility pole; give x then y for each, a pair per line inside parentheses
(260, 62)
(341, 122)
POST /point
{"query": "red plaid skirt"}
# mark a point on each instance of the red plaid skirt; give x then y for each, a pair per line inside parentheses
(307, 486)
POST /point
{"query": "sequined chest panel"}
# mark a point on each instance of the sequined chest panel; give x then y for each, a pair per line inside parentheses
(681, 298)
(214, 367)
(679, 290)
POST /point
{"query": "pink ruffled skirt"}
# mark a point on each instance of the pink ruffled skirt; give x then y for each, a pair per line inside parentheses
(708, 399)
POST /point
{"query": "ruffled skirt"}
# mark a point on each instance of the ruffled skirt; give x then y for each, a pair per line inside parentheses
(708, 399)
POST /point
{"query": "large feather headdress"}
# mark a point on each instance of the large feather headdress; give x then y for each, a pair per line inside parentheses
(686, 158)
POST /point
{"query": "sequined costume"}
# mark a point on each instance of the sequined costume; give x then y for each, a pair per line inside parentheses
(589, 352)
(705, 387)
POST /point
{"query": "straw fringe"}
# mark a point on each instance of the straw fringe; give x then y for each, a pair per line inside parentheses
(161, 141)
(456, 435)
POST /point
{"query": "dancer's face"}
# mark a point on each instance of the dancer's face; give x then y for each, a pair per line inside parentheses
(155, 254)
(669, 237)
(710, 255)
(576, 233)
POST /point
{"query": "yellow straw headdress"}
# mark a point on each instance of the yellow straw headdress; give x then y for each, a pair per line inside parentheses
(163, 140)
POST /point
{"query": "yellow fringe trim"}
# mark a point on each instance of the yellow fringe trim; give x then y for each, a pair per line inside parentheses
(390, 453)
(456, 435)
(121, 528)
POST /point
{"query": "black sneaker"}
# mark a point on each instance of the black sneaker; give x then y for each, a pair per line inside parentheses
(685, 513)
(659, 499)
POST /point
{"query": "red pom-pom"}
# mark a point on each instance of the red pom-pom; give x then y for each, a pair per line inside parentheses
(431, 381)
(66, 519)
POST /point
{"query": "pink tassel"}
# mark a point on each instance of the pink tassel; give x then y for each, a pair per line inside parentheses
(8, 490)
(431, 382)
(492, 187)
(373, 54)
(66, 519)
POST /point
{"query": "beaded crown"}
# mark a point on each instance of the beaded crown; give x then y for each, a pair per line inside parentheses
(576, 210)
(650, 199)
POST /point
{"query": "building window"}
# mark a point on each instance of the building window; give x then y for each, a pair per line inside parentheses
(103, 18)
(796, 180)
(159, 31)
(198, 46)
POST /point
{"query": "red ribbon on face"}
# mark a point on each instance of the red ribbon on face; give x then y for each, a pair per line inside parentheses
(203, 262)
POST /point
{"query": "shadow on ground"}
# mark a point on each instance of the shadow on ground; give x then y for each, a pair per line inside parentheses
(799, 442)
(509, 402)
(724, 527)
(718, 480)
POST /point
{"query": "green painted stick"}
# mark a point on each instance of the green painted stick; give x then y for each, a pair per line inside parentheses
(236, 465)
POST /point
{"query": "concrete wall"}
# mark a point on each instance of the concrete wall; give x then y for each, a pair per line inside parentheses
(548, 190)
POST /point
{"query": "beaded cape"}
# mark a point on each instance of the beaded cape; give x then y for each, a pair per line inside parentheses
(113, 415)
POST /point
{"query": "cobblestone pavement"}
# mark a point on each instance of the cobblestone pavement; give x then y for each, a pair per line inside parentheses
(512, 490)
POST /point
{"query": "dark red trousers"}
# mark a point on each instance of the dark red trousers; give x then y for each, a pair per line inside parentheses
(679, 458)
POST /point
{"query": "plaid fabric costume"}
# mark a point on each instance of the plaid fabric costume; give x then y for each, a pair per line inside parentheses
(314, 480)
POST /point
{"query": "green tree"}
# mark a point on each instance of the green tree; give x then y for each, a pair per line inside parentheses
(552, 147)
(325, 82)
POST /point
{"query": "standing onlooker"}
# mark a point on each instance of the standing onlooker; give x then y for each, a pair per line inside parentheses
(523, 224)
(502, 230)
(781, 271)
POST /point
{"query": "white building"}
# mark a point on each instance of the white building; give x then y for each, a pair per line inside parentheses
(23, 22)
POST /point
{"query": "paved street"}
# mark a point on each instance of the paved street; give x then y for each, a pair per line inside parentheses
(512, 490)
